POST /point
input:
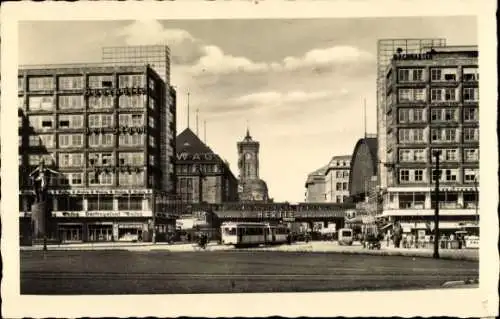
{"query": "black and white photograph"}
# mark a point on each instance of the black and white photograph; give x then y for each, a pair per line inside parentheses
(216, 157)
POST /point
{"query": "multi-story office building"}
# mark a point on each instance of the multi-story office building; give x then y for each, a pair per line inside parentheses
(386, 49)
(100, 127)
(337, 179)
(432, 105)
(330, 183)
(202, 176)
(158, 58)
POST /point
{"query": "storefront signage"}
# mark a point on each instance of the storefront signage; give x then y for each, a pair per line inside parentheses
(456, 189)
(196, 156)
(96, 191)
(135, 226)
(68, 214)
(472, 242)
(412, 56)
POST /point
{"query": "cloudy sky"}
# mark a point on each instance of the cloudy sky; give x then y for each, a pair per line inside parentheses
(299, 84)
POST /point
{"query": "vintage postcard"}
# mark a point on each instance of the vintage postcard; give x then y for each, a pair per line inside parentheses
(249, 159)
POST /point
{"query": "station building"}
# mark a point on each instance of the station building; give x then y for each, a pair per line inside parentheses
(363, 178)
(202, 175)
(432, 104)
(363, 171)
(100, 127)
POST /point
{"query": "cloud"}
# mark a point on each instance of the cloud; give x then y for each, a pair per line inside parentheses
(269, 102)
(281, 98)
(324, 58)
(216, 62)
(184, 48)
(205, 59)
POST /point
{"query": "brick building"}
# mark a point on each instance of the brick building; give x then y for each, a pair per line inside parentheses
(202, 176)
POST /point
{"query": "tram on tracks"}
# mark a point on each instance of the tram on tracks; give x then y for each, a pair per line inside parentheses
(253, 234)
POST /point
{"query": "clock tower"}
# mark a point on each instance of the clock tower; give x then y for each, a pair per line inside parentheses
(248, 158)
(251, 187)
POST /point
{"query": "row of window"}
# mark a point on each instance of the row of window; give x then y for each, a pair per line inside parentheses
(342, 174)
(438, 135)
(447, 155)
(103, 178)
(446, 200)
(47, 83)
(470, 175)
(194, 169)
(94, 140)
(93, 159)
(38, 122)
(78, 102)
(418, 115)
(341, 186)
(76, 203)
(469, 94)
(340, 163)
(438, 74)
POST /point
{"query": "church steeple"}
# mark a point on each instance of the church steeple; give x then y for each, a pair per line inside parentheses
(248, 137)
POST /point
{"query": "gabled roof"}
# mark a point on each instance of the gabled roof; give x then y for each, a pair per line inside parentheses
(188, 142)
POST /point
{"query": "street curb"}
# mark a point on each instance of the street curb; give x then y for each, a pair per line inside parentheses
(306, 249)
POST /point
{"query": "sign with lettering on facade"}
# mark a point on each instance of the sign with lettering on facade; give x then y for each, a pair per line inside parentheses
(196, 156)
(101, 191)
(412, 56)
(284, 215)
(67, 214)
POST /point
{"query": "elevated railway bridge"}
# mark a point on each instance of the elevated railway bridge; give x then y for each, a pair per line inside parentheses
(310, 213)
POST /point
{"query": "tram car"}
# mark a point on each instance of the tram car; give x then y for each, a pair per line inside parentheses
(253, 234)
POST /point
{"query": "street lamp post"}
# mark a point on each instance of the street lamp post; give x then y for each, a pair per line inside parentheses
(437, 176)
(153, 209)
(477, 198)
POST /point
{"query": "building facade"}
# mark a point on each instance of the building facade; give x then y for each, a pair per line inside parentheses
(158, 58)
(363, 169)
(337, 179)
(363, 177)
(99, 126)
(385, 52)
(315, 186)
(202, 176)
(330, 183)
(251, 187)
(432, 105)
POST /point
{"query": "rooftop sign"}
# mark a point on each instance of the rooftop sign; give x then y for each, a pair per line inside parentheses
(412, 56)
